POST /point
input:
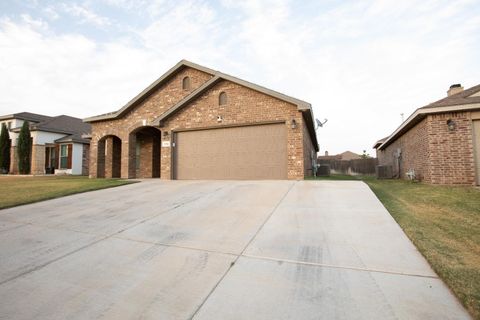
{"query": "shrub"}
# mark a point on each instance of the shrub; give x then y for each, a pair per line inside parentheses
(24, 148)
(4, 150)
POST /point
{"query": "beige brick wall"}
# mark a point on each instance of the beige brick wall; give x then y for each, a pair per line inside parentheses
(245, 106)
(13, 160)
(451, 152)
(439, 156)
(38, 159)
(414, 153)
(85, 159)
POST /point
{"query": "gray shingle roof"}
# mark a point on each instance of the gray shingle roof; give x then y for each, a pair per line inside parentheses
(63, 124)
(73, 128)
(460, 98)
(31, 117)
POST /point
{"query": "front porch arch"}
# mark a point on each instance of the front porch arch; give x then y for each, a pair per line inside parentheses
(144, 145)
(109, 157)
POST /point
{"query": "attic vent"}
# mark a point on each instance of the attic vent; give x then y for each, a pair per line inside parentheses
(222, 98)
(186, 85)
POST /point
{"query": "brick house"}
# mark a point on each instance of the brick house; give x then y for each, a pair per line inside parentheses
(439, 143)
(197, 123)
(346, 155)
(58, 143)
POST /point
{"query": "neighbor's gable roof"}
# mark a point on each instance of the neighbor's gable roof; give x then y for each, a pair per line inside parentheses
(303, 106)
(73, 128)
(349, 154)
(462, 101)
(63, 124)
(28, 116)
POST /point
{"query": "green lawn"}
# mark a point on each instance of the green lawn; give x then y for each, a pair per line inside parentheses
(444, 223)
(17, 190)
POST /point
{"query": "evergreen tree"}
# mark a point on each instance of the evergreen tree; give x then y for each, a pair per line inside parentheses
(24, 148)
(4, 150)
(365, 155)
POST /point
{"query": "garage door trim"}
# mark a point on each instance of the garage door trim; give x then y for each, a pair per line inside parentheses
(233, 125)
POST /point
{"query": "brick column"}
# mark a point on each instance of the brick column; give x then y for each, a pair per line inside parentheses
(13, 160)
(99, 163)
(295, 147)
(85, 159)
(37, 159)
(128, 157)
(108, 152)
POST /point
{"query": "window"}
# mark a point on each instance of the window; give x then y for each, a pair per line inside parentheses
(63, 156)
(9, 125)
(222, 99)
(186, 83)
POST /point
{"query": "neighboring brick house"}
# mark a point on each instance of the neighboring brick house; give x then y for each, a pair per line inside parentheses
(346, 155)
(197, 123)
(58, 143)
(439, 143)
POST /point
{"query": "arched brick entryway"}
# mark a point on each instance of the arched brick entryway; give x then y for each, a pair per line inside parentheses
(109, 157)
(144, 153)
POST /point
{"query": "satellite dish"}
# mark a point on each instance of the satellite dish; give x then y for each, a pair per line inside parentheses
(319, 123)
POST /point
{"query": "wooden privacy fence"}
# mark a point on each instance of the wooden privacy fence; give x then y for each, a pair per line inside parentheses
(357, 166)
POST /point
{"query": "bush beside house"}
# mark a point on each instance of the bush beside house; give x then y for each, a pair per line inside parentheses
(24, 149)
(4, 149)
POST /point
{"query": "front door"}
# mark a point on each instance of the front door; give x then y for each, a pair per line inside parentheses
(50, 160)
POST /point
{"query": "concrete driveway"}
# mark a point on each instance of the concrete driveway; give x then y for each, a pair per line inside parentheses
(215, 250)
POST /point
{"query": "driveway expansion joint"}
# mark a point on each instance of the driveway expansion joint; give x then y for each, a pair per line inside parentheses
(245, 248)
(306, 263)
(103, 237)
(324, 265)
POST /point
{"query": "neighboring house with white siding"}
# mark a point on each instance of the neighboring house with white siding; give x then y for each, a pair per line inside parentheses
(59, 144)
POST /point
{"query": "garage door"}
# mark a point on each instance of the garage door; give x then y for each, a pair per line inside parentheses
(249, 152)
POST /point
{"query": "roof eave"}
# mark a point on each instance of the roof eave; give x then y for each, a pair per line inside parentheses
(311, 126)
(420, 114)
(7, 117)
(52, 130)
(73, 140)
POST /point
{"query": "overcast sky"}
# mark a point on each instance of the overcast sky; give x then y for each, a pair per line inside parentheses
(359, 63)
